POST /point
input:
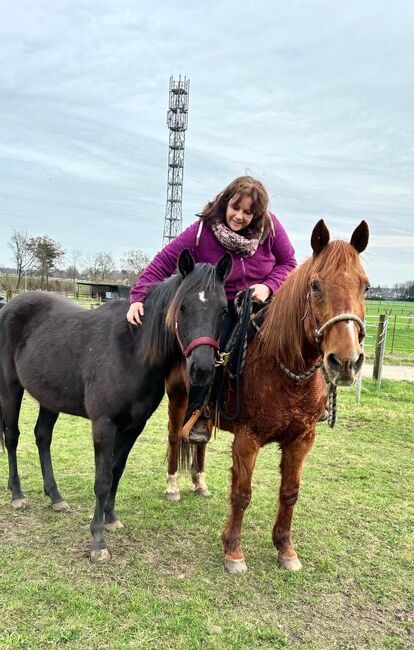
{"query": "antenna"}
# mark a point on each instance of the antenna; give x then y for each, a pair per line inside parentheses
(177, 122)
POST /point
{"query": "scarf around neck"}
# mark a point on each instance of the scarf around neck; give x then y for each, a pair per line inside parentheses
(234, 242)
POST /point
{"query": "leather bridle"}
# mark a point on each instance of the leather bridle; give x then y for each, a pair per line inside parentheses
(201, 340)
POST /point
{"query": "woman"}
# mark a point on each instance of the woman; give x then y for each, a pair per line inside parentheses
(236, 220)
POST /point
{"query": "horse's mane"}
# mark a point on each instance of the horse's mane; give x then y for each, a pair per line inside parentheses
(162, 305)
(282, 333)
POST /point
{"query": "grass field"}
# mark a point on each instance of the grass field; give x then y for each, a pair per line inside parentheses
(399, 348)
(166, 587)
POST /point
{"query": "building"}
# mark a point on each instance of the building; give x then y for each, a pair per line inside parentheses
(102, 290)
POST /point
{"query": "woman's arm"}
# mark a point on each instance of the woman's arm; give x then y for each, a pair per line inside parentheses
(284, 254)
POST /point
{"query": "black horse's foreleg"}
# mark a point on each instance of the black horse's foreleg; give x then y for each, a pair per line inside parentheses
(104, 432)
(123, 445)
(10, 406)
(43, 431)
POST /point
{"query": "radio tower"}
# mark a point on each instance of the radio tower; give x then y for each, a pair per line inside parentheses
(177, 121)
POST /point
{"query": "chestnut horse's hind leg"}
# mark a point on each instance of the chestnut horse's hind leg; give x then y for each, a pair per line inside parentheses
(293, 458)
(177, 405)
(197, 472)
(43, 431)
(104, 432)
(10, 408)
(245, 450)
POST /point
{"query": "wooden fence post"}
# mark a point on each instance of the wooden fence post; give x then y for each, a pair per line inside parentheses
(380, 348)
(393, 334)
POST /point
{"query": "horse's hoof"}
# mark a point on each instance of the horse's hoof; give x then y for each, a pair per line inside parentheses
(20, 504)
(100, 555)
(290, 563)
(235, 566)
(172, 496)
(113, 525)
(61, 506)
(202, 492)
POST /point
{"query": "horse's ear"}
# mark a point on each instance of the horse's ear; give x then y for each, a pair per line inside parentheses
(320, 237)
(223, 267)
(360, 236)
(186, 262)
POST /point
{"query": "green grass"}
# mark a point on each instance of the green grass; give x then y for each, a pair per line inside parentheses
(166, 587)
(391, 307)
(399, 348)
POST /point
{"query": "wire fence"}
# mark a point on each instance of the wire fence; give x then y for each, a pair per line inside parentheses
(397, 339)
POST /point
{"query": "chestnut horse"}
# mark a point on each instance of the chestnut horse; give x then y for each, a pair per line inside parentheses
(315, 319)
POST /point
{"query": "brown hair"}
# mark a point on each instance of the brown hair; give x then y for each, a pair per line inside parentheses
(215, 210)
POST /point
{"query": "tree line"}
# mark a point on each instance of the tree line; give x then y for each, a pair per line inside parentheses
(45, 257)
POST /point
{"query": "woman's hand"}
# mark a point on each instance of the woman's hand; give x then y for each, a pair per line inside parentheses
(134, 312)
(261, 292)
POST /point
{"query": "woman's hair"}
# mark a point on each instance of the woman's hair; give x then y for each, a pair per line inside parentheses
(260, 225)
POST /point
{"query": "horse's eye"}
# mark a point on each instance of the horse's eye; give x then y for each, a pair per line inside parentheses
(315, 286)
(367, 288)
(182, 309)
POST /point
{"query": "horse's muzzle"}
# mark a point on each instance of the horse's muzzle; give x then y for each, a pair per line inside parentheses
(343, 372)
(200, 365)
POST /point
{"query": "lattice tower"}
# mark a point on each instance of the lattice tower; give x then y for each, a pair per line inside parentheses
(177, 122)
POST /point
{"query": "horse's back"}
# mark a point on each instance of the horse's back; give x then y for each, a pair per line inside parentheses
(53, 347)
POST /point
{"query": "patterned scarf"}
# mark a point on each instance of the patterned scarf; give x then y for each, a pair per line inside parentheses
(234, 242)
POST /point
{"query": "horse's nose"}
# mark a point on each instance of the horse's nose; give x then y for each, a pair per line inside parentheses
(199, 375)
(200, 366)
(344, 370)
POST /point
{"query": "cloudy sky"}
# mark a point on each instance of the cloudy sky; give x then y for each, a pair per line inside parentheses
(314, 97)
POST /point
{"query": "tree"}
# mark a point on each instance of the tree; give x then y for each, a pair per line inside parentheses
(104, 265)
(72, 270)
(99, 266)
(132, 265)
(46, 252)
(23, 256)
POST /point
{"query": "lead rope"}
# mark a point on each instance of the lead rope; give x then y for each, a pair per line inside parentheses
(331, 399)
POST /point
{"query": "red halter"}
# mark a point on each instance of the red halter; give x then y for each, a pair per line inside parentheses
(201, 340)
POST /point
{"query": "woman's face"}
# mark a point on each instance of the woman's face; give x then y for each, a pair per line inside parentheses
(239, 213)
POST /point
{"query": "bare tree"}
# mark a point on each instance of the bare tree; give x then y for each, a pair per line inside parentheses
(23, 256)
(105, 265)
(99, 266)
(72, 270)
(132, 265)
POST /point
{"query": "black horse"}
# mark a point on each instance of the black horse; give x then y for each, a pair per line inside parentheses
(94, 364)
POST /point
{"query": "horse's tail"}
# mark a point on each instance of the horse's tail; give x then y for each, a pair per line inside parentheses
(187, 457)
(2, 429)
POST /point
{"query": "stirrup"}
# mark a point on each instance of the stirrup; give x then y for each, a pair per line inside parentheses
(197, 430)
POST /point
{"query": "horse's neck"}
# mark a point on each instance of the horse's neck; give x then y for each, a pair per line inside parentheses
(284, 339)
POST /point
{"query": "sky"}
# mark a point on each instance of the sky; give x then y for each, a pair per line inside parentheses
(313, 97)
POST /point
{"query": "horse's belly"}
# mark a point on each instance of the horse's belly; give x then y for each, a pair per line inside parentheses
(58, 393)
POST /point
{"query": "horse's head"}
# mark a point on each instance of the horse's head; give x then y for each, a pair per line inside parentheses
(197, 311)
(336, 302)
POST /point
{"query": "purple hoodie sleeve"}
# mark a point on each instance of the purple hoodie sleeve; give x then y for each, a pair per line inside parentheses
(284, 254)
(164, 263)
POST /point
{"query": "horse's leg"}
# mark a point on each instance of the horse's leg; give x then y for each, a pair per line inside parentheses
(43, 431)
(10, 408)
(197, 472)
(123, 444)
(177, 406)
(293, 458)
(245, 450)
(104, 432)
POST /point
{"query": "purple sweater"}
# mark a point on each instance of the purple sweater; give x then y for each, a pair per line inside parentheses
(270, 264)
